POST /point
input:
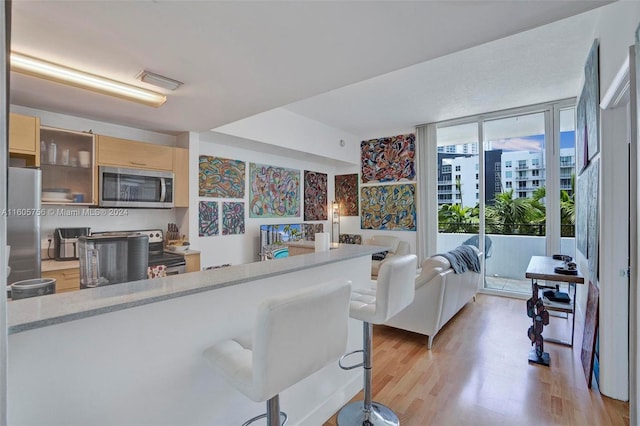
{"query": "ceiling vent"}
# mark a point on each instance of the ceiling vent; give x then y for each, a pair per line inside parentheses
(159, 80)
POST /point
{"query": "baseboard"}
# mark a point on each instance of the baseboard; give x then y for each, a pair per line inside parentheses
(330, 406)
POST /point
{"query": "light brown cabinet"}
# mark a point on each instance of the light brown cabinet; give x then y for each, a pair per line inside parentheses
(181, 173)
(24, 138)
(66, 279)
(67, 167)
(132, 154)
(193, 261)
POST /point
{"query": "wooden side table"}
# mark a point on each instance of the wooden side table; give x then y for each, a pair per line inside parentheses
(543, 268)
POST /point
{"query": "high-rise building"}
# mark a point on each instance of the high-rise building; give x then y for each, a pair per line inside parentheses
(521, 171)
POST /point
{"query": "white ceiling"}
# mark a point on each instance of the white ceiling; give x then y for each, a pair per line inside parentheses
(318, 59)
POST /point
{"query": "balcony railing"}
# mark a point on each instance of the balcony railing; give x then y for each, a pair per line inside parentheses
(528, 167)
(537, 229)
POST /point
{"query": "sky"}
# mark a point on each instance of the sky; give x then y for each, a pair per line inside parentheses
(532, 143)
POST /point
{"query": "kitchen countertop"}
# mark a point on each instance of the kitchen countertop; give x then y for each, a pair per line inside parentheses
(307, 244)
(183, 253)
(37, 312)
(50, 265)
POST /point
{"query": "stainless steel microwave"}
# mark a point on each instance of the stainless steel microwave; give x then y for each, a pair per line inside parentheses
(122, 187)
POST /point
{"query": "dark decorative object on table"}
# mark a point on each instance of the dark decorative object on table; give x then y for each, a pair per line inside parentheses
(379, 256)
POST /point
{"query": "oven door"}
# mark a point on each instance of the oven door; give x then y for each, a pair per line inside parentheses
(121, 187)
(175, 270)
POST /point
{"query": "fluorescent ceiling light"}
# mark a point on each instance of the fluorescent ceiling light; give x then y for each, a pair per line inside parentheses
(60, 74)
(159, 80)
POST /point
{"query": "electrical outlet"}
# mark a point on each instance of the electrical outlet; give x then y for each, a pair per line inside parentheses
(49, 237)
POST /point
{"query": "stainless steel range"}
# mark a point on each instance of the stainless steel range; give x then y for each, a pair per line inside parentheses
(175, 263)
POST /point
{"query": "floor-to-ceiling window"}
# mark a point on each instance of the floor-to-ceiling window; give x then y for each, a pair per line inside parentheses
(495, 194)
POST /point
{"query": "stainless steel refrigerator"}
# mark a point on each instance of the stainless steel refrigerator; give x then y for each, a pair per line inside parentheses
(23, 223)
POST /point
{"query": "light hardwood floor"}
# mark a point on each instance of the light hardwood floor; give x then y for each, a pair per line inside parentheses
(477, 374)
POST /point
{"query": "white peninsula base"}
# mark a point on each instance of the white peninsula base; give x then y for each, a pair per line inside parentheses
(143, 365)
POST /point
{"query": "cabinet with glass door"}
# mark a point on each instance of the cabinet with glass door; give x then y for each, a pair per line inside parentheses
(66, 160)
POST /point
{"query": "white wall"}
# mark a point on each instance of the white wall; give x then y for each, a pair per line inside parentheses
(615, 30)
(69, 122)
(64, 216)
(236, 249)
(285, 129)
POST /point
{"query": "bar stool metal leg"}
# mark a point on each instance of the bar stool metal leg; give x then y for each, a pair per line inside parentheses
(272, 415)
(367, 412)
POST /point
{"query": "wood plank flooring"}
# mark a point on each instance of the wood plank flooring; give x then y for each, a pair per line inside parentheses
(477, 374)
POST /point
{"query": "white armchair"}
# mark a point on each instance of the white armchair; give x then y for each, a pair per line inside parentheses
(396, 247)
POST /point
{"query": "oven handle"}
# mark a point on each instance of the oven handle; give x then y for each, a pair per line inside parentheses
(175, 270)
(163, 189)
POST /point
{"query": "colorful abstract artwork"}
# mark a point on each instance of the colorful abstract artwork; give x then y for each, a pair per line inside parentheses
(232, 218)
(315, 196)
(582, 135)
(309, 230)
(221, 177)
(350, 239)
(388, 159)
(208, 218)
(388, 207)
(273, 191)
(592, 92)
(593, 226)
(346, 187)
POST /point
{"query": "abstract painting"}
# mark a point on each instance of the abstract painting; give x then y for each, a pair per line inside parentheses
(350, 239)
(592, 101)
(208, 219)
(309, 230)
(593, 184)
(221, 177)
(232, 218)
(582, 136)
(315, 196)
(389, 159)
(581, 209)
(273, 191)
(388, 207)
(346, 187)
(590, 334)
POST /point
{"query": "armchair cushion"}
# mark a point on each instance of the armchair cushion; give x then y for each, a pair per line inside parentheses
(385, 240)
(431, 267)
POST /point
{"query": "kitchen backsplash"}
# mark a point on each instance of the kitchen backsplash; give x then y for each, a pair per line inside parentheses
(115, 219)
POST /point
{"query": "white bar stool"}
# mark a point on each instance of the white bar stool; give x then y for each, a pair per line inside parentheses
(294, 336)
(394, 290)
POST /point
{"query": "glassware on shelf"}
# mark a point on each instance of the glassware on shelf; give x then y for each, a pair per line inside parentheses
(43, 152)
(52, 152)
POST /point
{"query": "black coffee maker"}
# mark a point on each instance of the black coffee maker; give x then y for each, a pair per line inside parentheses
(65, 242)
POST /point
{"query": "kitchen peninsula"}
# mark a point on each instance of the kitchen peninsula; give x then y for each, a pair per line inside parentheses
(131, 353)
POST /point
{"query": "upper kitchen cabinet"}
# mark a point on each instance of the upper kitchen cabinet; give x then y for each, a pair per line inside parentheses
(67, 166)
(132, 154)
(181, 172)
(24, 132)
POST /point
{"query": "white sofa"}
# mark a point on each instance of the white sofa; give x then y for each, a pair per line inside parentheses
(396, 247)
(440, 294)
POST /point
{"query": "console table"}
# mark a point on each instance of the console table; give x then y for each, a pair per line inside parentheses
(543, 268)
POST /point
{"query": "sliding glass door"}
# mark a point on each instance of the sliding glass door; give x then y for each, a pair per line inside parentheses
(515, 198)
(512, 195)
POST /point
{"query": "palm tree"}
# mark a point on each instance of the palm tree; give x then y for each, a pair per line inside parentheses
(507, 213)
(456, 218)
